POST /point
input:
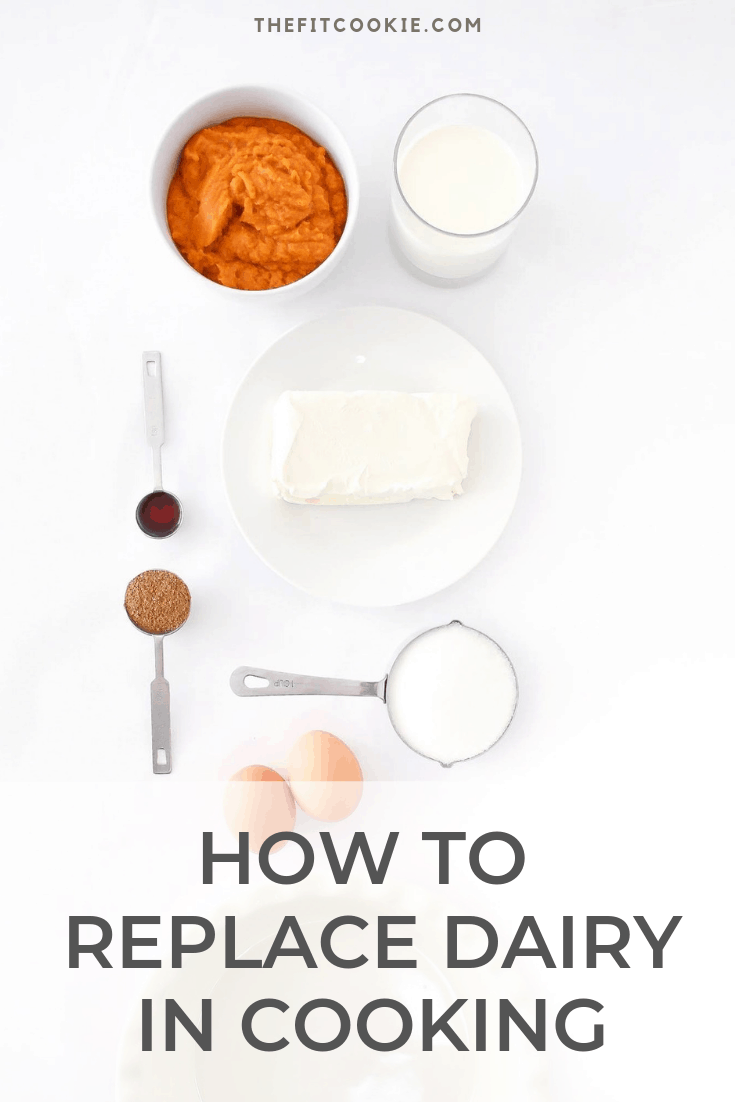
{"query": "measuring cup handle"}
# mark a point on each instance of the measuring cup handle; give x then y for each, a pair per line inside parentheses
(276, 683)
(160, 714)
(153, 392)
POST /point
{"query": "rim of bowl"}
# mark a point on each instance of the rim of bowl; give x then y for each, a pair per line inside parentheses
(353, 194)
(488, 99)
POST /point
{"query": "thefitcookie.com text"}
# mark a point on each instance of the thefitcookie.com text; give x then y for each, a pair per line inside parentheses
(397, 24)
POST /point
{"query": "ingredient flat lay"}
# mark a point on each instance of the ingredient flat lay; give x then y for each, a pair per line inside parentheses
(255, 203)
(465, 166)
(257, 192)
(387, 554)
(369, 406)
(158, 513)
(157, 603)
(451, 692)
(369, 447)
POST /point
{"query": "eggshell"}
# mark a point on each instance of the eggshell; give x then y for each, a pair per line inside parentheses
(258, 800)
(325, 776)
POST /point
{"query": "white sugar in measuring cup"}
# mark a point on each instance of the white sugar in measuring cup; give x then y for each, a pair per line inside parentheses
(451, 693)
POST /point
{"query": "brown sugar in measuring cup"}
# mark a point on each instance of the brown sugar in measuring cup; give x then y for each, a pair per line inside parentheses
(157, 603)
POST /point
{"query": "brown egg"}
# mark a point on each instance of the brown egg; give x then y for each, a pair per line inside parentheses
(258, 800)
(325, 776)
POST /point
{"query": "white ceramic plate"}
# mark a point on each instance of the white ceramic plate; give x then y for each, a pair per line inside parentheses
(373, 555)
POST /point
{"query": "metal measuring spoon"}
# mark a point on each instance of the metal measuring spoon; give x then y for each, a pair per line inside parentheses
(160, 689)
(158, 513)
(274, 683)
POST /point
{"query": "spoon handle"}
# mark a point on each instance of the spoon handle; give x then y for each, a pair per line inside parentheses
(160, 714)
(153, 391)
(275, 683)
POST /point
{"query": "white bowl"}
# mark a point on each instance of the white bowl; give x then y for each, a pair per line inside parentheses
(266, 103)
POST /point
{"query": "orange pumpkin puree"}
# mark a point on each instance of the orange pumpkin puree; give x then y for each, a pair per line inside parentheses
(255, 203)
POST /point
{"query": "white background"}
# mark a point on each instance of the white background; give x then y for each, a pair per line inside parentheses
(609, 321)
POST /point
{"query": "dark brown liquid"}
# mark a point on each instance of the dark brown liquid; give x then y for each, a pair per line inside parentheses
(158, 514)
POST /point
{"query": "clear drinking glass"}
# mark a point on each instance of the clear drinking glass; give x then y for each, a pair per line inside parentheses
(443, 255)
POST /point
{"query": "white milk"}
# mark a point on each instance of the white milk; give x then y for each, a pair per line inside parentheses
(451, 693)
(461, 184)
(461, 179)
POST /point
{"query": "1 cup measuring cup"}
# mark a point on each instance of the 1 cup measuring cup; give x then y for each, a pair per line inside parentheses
(451, 692)
(157, 603)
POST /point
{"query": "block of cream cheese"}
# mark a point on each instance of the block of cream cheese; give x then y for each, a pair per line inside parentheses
(368, 447)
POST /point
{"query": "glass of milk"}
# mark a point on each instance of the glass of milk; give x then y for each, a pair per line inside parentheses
(464, 170)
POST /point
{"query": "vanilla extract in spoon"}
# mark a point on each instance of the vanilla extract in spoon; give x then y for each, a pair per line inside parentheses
(159, 513)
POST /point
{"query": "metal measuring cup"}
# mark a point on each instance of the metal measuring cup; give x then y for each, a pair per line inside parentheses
(160, 689)
(158, 513)
(276, 683)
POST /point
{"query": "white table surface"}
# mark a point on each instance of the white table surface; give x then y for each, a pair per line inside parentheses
(609, 321)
